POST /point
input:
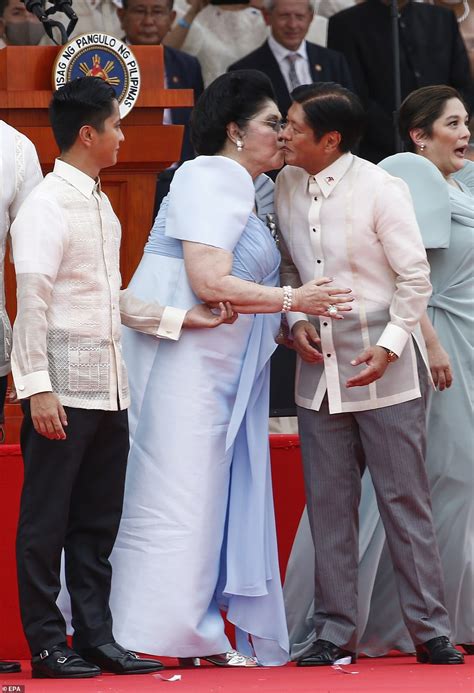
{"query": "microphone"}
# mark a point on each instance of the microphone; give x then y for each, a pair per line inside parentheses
(36, 7)
(64, 6)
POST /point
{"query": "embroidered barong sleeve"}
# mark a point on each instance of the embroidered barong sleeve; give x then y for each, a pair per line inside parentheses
(28, 176)
(398, 232)
(38, 235)
(150, 318)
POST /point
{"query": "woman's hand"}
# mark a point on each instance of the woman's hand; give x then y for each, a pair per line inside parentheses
(202, 315)
(313, 299)
(440, 365)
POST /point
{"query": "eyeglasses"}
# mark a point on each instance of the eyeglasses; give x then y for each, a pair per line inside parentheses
(275, 125)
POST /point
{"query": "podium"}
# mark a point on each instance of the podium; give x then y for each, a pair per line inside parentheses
(149, 147)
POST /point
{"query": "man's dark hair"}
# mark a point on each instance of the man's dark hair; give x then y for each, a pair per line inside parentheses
(83, 101)
(329, 106)
(233, 97)
(421, 108)
(3, 7)
(125, 4)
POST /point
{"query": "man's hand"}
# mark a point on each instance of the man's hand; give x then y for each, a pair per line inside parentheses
(440, 366)
(202, 316)
(377, 362)
(305, 341)
(48, 415)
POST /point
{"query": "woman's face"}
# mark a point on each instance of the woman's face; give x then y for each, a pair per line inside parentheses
(447, 145)
(261, 139)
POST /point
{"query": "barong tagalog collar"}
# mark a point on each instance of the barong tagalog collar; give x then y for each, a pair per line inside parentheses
(328, 178)
(80, 180)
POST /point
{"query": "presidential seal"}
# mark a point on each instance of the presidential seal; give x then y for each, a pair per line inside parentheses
(100, 55)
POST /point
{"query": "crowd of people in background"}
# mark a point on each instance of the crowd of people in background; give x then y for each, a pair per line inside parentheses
(307, 85)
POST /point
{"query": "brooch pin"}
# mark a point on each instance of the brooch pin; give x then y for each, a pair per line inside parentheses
(271, 223)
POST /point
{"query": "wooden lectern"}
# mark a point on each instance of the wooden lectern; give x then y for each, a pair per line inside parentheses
(149, 147)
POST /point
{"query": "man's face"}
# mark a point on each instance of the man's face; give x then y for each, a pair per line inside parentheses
(300, 145)
(289, 21)
(107, 142)
(20, 26)
(146, 22)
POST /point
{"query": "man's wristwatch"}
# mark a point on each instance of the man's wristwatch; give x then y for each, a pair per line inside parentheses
(391, 355)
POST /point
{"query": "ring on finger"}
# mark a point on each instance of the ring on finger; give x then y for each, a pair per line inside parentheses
(332, 309)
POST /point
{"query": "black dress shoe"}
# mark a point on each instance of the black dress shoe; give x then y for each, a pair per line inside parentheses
(9, 667)
(323, 653)
(60, 662)
(468, 648)
(438, 651)
(114, 658)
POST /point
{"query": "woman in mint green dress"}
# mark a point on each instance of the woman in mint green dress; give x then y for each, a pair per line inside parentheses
(433, 123)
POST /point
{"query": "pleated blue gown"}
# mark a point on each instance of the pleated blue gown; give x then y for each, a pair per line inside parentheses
(198, 534)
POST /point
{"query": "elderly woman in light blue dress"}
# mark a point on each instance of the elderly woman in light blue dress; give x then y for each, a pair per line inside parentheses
(433, 123)
(198, 535)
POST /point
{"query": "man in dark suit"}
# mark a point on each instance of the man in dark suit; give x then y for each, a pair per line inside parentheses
(431, 52)
(287, 58)
(146, 22)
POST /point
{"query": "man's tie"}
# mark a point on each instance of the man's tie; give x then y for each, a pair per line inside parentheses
(293, 77)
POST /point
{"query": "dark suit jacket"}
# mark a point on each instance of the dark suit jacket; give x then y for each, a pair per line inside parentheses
(325, 66)
(183, 72)
(431, 52)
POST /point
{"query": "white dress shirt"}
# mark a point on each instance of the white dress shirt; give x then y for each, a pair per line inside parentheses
(220, 37)
(66, 338)
(20, 172)
(301, 65)
(356, 223)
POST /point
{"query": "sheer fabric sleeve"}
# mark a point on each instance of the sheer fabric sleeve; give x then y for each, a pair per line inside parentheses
(150, 318)
(430, 195)
(30, 367)
(210, 201)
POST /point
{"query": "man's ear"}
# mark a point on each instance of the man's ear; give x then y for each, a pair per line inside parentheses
(86, 135)
(266, 16)
(333, 140)
(121, 15)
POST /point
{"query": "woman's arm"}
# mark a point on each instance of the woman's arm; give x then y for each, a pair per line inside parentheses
(179, 32)
(438, 359)
(208, 269)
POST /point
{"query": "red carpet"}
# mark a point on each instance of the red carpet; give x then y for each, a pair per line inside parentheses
(289, 502)
(395, 674)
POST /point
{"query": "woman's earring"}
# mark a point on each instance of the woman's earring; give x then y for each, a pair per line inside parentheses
(422, 147)
(240, 145)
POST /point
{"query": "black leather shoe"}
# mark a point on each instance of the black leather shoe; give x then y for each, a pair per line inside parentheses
(9, 667)
(322, 654)
(60, 662)
(116, 659)
(438, 651)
